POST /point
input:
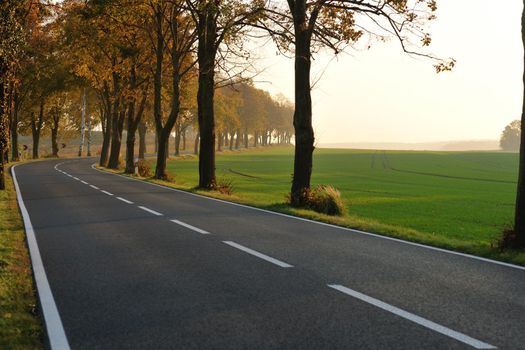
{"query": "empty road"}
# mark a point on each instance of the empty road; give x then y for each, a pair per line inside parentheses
(126, 264)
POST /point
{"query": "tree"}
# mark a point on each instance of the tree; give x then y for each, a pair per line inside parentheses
(217, 21)
(11, 42)
(175, 32)
(306, 26)
(519, 217)
(510, 137)
(94, 51)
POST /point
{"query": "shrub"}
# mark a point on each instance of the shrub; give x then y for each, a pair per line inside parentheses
(324, 199)
(144, 168)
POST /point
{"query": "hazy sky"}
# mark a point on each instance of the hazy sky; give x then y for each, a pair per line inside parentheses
(382, 95)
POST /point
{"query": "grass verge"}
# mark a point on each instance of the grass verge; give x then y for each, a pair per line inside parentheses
(20, 326)
(483, 248)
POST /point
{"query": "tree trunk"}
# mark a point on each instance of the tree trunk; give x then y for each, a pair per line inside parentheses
(246, 138)
(106, 139)
(302, 119)
(184, 138)
(519, 221)
(54, 133)
(82, 124)
(162, 155)
(107, 125)
(133, 123)
(35, 134)
(142, 140)
(156, 141)
(207, 35)
(89, 134)
(177, 141)
(196, 144)
(219, 142)
(238, 138)
(116, 135)
(36, 128)
(232, 135)
(14, 127)
(255, 138)
(130, 139)
(168, 146)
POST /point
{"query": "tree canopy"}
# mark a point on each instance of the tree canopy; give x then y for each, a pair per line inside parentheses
(510, 137)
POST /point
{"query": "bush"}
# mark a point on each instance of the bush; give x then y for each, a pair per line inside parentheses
(144, 168)
(324, 199)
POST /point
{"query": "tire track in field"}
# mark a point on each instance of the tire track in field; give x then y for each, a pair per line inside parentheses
(386, 165)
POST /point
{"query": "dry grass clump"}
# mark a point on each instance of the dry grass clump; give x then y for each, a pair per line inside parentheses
(144, 168)
(324, 199)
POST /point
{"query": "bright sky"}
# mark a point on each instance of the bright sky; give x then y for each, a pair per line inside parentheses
(382, 95)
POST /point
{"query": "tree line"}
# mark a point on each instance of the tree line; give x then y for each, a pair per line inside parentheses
(174, 55)
(173, 59)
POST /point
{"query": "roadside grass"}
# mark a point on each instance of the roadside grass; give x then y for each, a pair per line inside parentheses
(20, 326)
(455, 200)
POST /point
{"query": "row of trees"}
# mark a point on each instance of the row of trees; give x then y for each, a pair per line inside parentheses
(59, 60)
(177, 53)
(173, 55)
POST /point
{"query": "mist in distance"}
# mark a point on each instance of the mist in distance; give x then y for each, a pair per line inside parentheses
(382, 98)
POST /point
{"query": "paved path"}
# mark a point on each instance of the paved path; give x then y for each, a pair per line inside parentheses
(133, 265)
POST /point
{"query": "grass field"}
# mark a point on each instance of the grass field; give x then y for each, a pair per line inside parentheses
(457, 200)
(20, 326)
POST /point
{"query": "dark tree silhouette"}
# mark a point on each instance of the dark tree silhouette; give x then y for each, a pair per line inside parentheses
(519, 220)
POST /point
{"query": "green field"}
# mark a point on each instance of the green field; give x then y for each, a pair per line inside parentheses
(458, 200)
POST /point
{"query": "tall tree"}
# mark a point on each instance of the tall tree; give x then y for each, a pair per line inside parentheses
(307, 25)
(218, 22)
(519, 217)
(174, 32)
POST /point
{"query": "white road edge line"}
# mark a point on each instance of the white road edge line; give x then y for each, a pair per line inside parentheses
(124, 200)
(106, 192)
(95, 187)
(441, 250)
(150, 211)
(257, 254)
(477, 344)
(76, 178)
(196, 229)
(84, 182)
(54, 328)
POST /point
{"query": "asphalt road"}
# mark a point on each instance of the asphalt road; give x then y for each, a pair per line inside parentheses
(133, 265)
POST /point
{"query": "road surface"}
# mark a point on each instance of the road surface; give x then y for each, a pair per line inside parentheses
(127, 264)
